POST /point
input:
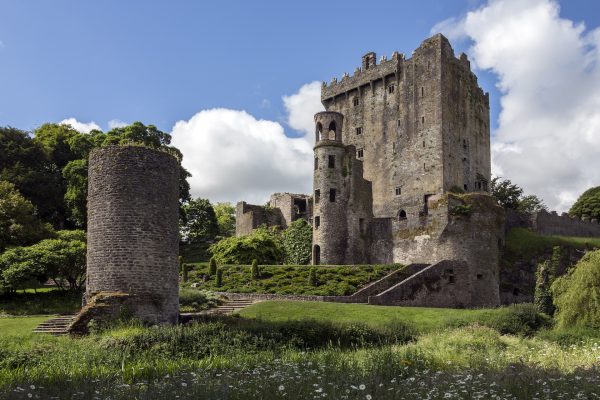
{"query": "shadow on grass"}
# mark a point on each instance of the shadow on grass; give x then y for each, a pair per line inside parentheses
(50, 302)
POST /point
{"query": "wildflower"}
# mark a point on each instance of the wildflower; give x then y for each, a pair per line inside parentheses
(281, 388)
(362, 386)
(369, 397)
(183, 384)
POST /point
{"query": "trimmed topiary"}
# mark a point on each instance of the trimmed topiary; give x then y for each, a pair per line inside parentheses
(255, 271)
(219, 277)
(212, 267)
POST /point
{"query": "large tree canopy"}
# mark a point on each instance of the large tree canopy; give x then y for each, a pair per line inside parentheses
(510, 196)
(588, 204)
(199, 221)
(225, 213)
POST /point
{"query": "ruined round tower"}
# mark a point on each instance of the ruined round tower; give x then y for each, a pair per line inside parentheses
(330, 201)
(133, 194)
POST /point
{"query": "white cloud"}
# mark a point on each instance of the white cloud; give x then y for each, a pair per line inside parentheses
(548, 69)
(83, 127)
(302, 107)
(116, 123)
(233, 156)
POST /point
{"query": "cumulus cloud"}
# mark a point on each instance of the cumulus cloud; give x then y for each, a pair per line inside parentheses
(83, 127)
(302, 107)
(116, 123)
(234, 156)
(548, 70)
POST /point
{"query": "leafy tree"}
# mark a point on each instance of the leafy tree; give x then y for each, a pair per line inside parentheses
(24, 162)
(531, 204)
(577, 294)
(62, 259)
(76, 177)
(148, 135)
(200, 223)
(225, 213)
(212, 266)
(297, 241)
(587, 205)
(18, 223)
(263, 245)
(506, 193)
(56, 140)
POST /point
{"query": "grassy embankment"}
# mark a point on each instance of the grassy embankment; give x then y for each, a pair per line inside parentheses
(291, 279)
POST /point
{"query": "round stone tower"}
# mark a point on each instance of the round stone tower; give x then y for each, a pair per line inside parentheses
(330, 200)
(132, 233)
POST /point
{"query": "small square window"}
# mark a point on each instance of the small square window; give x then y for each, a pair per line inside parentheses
(331, 161)
(317, 196)
(359, 130)
(332, 195)
(355, 101)
(360, 153)
(391, 89)
(317, 222)
(398, 191)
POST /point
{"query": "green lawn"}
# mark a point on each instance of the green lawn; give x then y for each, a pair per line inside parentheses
(421, 319)
(523, 244)
(45, 302)
(292, 279)
(20, 326)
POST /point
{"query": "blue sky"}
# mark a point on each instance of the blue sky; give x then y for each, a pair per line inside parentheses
(161, 62)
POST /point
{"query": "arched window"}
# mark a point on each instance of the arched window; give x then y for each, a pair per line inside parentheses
(319, 131)
(332, 126)
(401, 215)
(316, 254)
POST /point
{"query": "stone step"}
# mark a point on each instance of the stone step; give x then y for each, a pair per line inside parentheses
(55, 326)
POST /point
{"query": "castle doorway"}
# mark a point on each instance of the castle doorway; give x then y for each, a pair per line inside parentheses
(316, 254)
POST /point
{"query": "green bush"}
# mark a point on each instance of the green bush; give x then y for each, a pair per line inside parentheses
(517, 319)
(312, 277)
(212, 267)
(219, 277)
(263, 245)
(545, 276)
(588, 204)
(255, 272)
(297, 241)
(191, 300)
(577, 294)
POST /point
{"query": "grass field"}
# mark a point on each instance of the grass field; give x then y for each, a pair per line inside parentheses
(421, 319)
(523, 244)
(292, 279)
(19, 326)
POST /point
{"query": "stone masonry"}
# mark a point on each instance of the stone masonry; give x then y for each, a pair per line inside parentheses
(133, 230)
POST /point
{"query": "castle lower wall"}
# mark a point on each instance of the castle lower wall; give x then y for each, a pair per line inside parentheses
(545, 223)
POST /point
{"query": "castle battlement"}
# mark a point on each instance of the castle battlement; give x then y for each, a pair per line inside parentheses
(391, 69)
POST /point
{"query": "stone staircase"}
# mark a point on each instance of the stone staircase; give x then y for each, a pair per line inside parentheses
(231, 306)
(56, 326)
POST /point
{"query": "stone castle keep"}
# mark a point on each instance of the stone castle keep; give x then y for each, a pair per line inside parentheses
(396, 138)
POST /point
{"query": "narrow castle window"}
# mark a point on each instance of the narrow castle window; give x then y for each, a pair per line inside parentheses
(391, 89)
(319, 131)
(422, 91)
(466, 187)
(359, 130)
(423, 120)
(393, 147)
(401, 215)
(317, 222)
(423, 143)
(331, 161)
(317, 255)
(332, 126)
(359, 153)
(361, 225)
(332, 195)
(316, 163)
(398, 191)
(479, 276)
(355, 101)
(317, 196)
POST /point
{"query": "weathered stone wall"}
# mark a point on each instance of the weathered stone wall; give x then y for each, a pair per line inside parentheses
(133, 213)
(421, 125)
(249, 217)
(438, 285)
(293, 206)
(545, 223)
(466, 228)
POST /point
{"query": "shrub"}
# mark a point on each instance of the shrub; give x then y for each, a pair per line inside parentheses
(212, 267)
(588, 204)
(517, 319)
(219, 277)
(297, 241)
(196, 300)
(254, 271)
(312, 277)
(545, 276)
(263, 245)
(184, 273)
(577, 294)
